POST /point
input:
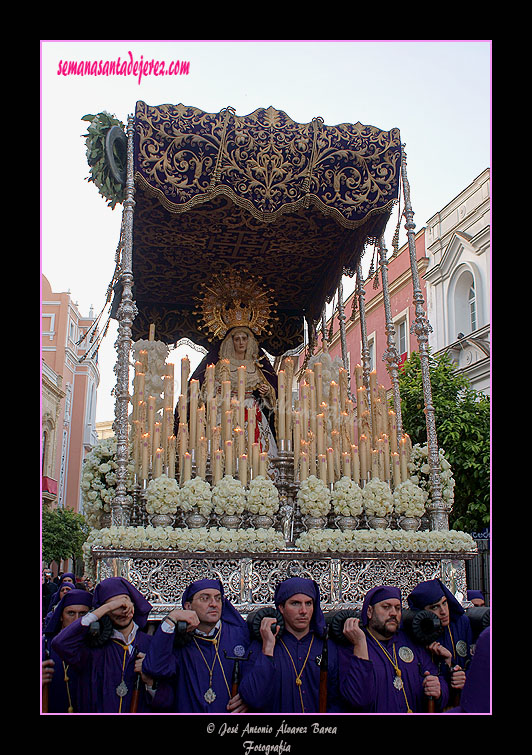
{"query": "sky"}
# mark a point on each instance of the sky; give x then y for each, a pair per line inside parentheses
(437, 92)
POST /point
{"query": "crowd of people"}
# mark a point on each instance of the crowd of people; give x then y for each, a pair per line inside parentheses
(102, 654)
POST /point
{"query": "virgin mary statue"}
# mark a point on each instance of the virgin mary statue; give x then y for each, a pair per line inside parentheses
(236, 309)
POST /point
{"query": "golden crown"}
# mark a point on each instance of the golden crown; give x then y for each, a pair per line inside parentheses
(232, 299)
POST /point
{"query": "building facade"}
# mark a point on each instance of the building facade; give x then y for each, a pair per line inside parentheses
(458, 281)
(68, 383)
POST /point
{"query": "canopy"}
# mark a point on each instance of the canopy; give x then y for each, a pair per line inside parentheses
(293, 203)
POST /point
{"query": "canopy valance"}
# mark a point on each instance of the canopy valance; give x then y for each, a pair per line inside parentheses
(294, 203)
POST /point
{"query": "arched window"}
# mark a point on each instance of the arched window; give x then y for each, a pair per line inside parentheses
(465, 303)
(473, 307)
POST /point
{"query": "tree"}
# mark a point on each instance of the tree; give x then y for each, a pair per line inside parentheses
(63, 534)
(463, 430)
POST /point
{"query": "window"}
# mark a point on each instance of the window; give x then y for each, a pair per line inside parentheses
(402, 340)
(473, 307)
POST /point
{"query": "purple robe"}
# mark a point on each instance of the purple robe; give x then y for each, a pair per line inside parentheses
(458, 636)
(475, 696)
(269, 682)
(187, 666)
(100, 671)
(62, 693)
(368, 685)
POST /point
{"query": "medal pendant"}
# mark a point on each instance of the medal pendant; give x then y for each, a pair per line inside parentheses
(122, 690)
(210, 695)
(398, 682)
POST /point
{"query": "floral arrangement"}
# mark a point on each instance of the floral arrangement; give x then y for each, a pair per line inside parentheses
(228, 496)
(314, 497)
(162, 495)
(98, 480)
(409, 499)
(214, 539)
(157, 355)
(377, 497)
(419, 471)
(347, 497)
(196, 493)
(385, 540)
(100, 173)
(262, 497)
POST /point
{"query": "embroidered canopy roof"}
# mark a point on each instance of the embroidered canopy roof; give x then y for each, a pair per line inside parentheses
(294, 203)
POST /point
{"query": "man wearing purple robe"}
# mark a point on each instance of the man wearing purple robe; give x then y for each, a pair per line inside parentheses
(384, 670)
(283, 673)
(108, 668)
(199, 663)
(476, 694)
(452, 650)
(62, 683)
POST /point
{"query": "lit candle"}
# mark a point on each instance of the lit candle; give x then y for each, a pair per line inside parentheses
(228, 457)
(333, 402)
(386, 455)
(319, 382)
(187, 467)
(156, 437)
(355, 464)
(404, 459)
(346, 465)
(374, 464)
(303, 466)
(171, 449)
(396, 468)
(363, 456)
(217, 470)
(158, 463)
(263, 464)
(311, 446)
(151, 334)
(185, 371)
(241, 392)
(151, 414)
(281, 404)
(392, 430)
(193, 414)
(320, 427)
(213, 416)
(228, 426)
(143, 358)
(167, 391)
(216, 439)
(297, 437)
(255, 451)
(202, 457)
(359, 381)
(252, 425)
(145, 455)
(182, 409)
(209, 377)
(243, 469)
(322, 467)
(330, 465)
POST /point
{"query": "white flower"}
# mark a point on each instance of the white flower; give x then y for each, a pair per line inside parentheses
(347, 497)
(262, 497)
(162, 495)
(385, 540)
(228, 496)
(419, 471)
(314, 497)
(409, 499)
(196, 493)
(377, 496)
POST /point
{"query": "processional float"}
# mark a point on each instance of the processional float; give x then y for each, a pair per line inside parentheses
(269, 213)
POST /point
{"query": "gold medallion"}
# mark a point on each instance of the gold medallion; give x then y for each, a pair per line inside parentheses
(406, 654)
(210, 695)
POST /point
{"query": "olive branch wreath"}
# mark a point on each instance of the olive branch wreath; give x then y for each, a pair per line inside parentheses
(105, 157)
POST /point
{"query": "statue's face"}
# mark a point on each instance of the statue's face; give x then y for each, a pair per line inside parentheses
(240, 342)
